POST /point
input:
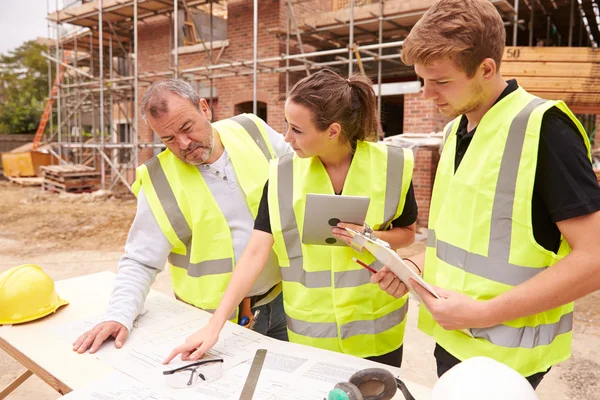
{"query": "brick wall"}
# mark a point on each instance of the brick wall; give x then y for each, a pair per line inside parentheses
(421, 116)
(426, 161)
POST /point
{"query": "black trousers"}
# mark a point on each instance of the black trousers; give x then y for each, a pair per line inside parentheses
(393, 358)
(445, 361)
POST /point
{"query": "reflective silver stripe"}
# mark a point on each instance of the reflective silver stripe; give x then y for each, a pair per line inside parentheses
(349, 279)
(486, 267)
(376, 265)
(393, 190)
(430, 238)
(167, 199)
(289, 227)
(250, 126)
(354, 278)
(374, 327)
(526, 337)
(324, 330)
(311, 280)
(504, 198)
(203, 268)
(319, 330)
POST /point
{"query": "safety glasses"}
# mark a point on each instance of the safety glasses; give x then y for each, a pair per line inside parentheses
(203, 371)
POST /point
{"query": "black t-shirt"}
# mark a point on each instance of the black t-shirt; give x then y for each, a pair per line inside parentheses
(565, 183)
(408, 216)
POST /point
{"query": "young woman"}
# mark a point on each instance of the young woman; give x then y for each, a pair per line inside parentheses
(330, 301)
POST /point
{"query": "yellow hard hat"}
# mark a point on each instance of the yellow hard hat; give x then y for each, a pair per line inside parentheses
(27, 293)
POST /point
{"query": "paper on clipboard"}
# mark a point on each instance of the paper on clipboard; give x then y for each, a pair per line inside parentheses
(385, 255)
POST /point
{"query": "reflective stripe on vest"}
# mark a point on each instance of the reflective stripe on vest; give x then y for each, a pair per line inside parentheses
(526, 337)
(328, 330)
(495, 265)
(255, 134)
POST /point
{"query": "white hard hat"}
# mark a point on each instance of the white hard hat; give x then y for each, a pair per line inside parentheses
(482, 378)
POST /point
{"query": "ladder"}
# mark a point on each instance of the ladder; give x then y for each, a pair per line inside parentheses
(48, 108)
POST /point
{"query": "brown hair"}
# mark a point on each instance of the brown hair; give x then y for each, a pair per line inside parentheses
(349, 102)
(465, 31)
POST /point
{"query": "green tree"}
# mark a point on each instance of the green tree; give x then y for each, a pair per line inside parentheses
(23, 88)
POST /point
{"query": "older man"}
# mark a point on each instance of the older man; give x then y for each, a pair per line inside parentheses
(196, 206)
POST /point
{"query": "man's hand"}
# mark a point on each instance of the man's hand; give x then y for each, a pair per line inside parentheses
(97, 335)
(389, 282)
(454, 310)
(196, 345)
(341, 233)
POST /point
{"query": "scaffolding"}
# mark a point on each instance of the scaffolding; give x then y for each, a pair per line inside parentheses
(102, 80)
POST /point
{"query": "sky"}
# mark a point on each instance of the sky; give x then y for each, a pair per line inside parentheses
(23, 20)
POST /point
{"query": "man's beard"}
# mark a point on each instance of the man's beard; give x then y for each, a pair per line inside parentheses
(194, 146)
(474, 104)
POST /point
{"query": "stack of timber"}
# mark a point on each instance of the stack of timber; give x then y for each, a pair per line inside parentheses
(571, 74)
(74, 178)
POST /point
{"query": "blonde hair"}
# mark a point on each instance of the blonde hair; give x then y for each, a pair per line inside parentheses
(465, 31)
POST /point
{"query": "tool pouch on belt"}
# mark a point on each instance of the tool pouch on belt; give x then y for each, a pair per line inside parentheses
(246, 311)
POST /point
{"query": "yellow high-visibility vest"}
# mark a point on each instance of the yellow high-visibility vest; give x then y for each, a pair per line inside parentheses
(481, 239)
(202, 258)
(328, 299)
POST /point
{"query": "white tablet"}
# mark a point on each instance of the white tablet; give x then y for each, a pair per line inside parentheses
(324, 211)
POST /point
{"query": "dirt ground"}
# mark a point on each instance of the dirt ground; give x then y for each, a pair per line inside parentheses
(73, 235)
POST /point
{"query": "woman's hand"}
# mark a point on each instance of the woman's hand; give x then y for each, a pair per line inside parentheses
(197, 344)
(341, 233)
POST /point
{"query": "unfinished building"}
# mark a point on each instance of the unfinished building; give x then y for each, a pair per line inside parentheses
(244, 56)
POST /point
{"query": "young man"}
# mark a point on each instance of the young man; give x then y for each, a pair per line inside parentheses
(513, 227)
(196, 206)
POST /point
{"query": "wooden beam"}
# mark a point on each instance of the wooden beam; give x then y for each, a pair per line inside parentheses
(550, 69)
(551, 54)
(56, 384)
(566, 85)
(576, 101)
(16, 383)
(585, 108)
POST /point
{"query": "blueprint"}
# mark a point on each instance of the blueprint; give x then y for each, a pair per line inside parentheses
(290, 371)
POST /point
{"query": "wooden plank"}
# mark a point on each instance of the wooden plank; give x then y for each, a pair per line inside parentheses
(68, 168)
(73, 183)
(567, 85)
(15, 384)
(56, 384)
(579, 103)
(35, 181)
(550, 69)
(551, 54)
(72, 176)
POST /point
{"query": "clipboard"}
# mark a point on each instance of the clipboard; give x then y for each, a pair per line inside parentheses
(388, 257)
(385, 255)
